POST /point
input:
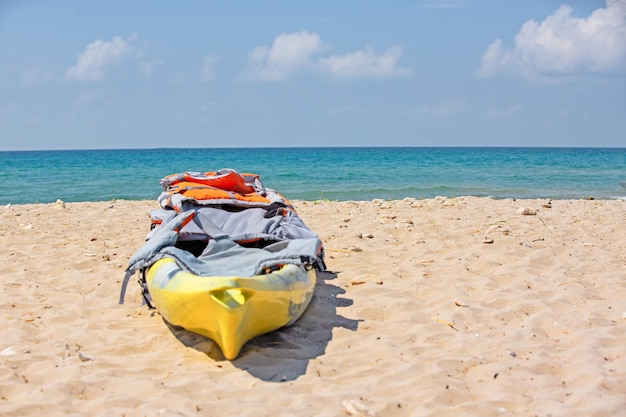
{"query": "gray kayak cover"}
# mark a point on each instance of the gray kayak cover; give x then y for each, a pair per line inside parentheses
(229, 241)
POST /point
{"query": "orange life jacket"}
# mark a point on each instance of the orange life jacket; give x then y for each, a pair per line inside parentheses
(223, 187)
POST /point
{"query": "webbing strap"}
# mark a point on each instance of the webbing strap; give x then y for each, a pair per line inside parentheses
(124, 285)
(204, 223)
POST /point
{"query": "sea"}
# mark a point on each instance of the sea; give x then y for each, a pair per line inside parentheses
(335, 174)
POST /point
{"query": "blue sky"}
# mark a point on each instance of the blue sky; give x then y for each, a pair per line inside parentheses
(77, 74)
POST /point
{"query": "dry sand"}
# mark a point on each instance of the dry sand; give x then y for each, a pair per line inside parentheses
(436, 307)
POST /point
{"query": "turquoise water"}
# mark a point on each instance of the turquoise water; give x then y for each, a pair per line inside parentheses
(322, 173)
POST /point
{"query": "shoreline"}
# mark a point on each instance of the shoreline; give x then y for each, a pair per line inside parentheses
(376, 200)
(477, 307)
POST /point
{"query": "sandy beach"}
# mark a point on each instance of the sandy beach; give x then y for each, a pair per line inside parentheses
(437, 307)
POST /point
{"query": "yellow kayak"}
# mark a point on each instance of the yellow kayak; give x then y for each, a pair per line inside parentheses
(226, 258)
(230, 310)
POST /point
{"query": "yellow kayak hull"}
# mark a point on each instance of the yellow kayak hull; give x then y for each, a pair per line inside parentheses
(230, 310)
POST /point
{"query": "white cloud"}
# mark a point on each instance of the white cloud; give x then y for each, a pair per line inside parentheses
(440, 110)
(442, 5)
(500, 112)
(32, 76)
(351, 109)
(148, 68)
(90, 99)
(364, 64)
(291, 54)
(208, 69)
(97, 57)
(563, 44)
(288, 54)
